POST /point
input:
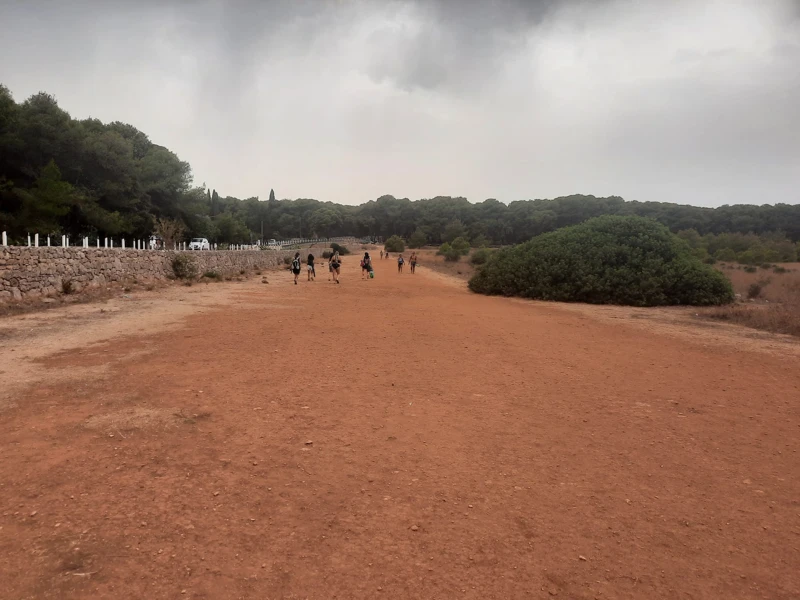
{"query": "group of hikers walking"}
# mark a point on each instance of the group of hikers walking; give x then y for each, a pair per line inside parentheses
(412, 261)
(335, 265)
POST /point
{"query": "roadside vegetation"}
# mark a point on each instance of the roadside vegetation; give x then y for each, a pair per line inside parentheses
(607, 260)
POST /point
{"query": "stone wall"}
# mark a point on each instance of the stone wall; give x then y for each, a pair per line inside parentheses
(30, 272)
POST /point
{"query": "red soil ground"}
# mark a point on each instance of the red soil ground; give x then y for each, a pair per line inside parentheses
(401, 438)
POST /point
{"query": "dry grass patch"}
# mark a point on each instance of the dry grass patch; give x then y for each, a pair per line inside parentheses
(776, 305)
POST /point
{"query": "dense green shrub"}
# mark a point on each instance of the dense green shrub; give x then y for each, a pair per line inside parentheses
(184, 266)
(480, 241)
(213, 275)
(450, 254)
(395, 244)
(461, 245)
(725, 254)
(340, 249)
(480, 256)
(418, 239)
(606, 260)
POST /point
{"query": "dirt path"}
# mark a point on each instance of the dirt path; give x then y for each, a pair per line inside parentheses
(396, 438)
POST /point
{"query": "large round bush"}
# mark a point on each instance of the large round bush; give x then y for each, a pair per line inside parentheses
(607, 260)
(395, 244)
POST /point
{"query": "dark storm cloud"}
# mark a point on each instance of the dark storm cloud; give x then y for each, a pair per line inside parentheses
(686, 100)
(454, 42)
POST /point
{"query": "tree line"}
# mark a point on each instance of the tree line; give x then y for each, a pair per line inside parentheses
(60, 175)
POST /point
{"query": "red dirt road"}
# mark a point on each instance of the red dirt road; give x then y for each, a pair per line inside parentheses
(402, 438)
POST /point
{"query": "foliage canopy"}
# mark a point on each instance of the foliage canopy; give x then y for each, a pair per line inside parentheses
(60, 175)
(606, 260)
(395, 244)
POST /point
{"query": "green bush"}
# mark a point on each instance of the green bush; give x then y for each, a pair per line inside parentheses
(418, 239)
(450, 254)
(327, 253)
(606, 260)
(395, 244)
(726, 255)
(480, 256)
(340, 249)
(480, 241)
(184, 266)
(461, 245)
(213, 275)
(750, 269)
(779, 269)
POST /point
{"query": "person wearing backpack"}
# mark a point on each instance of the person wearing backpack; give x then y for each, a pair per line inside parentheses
(366, 266)
(296, 266)
(400, 263)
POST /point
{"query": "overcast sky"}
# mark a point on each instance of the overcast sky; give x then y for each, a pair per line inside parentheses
(690, 101)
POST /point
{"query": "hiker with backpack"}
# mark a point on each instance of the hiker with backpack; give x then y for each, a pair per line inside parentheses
(296, 266)
(400, 263)
(366, 266)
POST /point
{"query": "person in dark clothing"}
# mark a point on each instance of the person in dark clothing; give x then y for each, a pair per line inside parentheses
(296, 266)
(336, 264)
(312, 273)
(366, 266)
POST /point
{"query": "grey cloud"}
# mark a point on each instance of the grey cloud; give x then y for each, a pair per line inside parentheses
(689, 100)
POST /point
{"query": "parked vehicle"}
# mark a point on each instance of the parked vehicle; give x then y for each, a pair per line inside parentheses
(199, 244)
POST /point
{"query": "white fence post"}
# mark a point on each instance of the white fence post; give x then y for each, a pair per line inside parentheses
(29, 240)
(36, 239)
(48, 241)
(123, 243)
(111, 243)
(5, 239)
(98, 241)
(63, 241)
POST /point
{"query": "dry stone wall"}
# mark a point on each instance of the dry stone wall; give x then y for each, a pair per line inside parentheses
(27, 272)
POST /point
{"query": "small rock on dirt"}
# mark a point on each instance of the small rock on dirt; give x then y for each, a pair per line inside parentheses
(414, 528)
